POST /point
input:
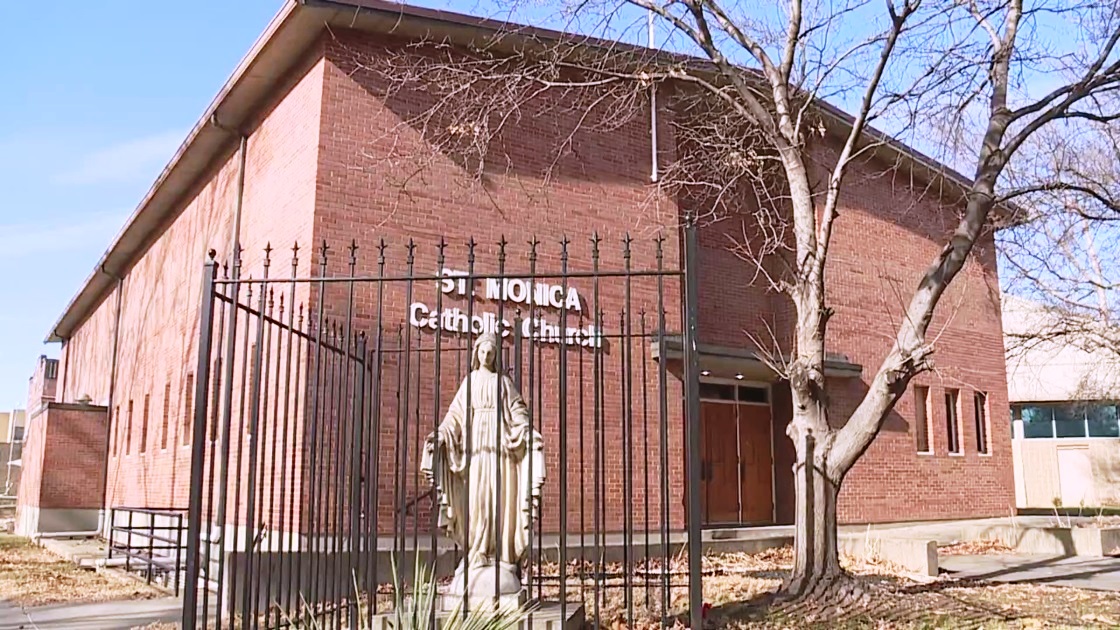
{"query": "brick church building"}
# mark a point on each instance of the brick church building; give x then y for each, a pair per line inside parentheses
(293, 150)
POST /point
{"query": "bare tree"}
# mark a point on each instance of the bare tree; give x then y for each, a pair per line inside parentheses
(1064, 256)
(961, 76)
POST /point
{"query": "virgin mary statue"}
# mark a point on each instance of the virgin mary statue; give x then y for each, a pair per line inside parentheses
(487, 466)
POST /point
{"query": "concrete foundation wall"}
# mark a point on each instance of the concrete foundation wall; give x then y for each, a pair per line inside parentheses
(36, 521)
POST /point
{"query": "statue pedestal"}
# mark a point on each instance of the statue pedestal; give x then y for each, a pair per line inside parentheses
(484, 583)
(545, 616)
(447, 602)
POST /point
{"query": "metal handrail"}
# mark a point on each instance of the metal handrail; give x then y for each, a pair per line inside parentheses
(147, 554)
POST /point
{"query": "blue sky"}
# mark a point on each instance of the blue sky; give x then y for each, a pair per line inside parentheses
(98, 95)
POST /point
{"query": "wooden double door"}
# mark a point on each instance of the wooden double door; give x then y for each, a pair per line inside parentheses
(737, 465)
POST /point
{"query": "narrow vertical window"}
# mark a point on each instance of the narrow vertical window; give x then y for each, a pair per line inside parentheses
(144, 426)
(921, 419)
(215, 396)
(952, 421)
(128, 432)
(188, 408)
(116, 436)
(980, 412)
(166, 414)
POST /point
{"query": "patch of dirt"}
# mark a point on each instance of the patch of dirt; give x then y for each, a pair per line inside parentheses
(975, 548)
(33, 576)
(737, 586)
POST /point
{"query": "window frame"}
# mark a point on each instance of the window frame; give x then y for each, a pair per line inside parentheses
(187, 424)
(115, 434)
(128, 431)
(981, 418)
(953, 426)
(736, 388)
(144, 425)
(922, 406)
(164, 438)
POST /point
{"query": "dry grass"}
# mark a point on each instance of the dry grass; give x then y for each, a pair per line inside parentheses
(33, 576)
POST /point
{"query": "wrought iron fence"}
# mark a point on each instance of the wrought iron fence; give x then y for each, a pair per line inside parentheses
(316, 391)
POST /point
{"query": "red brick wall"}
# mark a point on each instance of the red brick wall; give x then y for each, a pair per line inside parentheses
(64, 458)
(161, 294)
(870, 281)
(889, 230)
(34, 445)
(371, 146)
(87, 357)
(74, 462)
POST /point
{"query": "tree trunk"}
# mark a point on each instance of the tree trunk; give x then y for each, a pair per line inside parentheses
(816, 567)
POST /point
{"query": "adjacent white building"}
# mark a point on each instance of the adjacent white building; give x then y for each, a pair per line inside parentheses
(11, 443)
(1065, 404)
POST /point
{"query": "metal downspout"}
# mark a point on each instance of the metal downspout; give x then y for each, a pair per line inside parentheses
(65, 371)
(102, 524)
(653, 168)
(235, 229)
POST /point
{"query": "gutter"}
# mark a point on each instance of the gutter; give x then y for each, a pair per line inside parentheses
(65, 369)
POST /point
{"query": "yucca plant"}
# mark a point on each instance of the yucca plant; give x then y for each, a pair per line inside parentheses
(417, 612)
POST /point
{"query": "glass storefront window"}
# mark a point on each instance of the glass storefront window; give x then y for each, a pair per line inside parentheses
(1069, 420)
(1037, 420)
(1078, 419)
(1103, 421)
(717, 391)
(752, 394)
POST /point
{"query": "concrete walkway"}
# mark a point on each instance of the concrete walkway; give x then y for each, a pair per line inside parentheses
(1102, 574)
(120, 615)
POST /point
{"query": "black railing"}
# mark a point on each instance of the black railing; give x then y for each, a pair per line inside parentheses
(315, 391)
(152, 542)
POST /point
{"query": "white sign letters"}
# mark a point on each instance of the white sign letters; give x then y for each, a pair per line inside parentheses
(542, 295)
